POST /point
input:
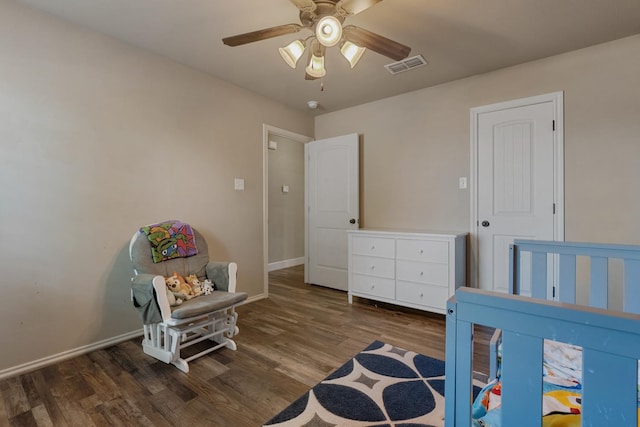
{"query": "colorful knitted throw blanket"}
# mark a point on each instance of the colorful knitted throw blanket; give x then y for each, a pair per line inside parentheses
(170, 239)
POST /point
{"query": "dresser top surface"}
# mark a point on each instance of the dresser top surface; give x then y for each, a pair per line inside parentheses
(409, 232)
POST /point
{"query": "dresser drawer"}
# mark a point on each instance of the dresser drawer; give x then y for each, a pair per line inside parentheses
(425, 295)
(374, 246)
(422, 272)
(423, 250)
(381, 267)
(374, 286)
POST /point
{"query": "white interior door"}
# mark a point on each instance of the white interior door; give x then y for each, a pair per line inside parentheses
(517, 183)
(332, 208)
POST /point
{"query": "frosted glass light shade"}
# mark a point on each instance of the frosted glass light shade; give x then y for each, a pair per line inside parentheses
(316, 67)
(292, 52)
(352, 52)
(329, 31)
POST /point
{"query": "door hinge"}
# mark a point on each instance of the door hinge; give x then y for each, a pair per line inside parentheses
(554, 208)
(553, 124)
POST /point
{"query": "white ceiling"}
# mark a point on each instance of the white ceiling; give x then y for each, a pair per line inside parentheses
(458, 38)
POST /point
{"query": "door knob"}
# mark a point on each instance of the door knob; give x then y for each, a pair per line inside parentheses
(352, 221)
(485, 223)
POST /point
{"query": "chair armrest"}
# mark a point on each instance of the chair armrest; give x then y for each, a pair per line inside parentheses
(223, 275)
(149, 296)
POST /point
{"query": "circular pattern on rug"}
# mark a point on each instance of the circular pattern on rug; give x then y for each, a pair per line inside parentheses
(382, 386)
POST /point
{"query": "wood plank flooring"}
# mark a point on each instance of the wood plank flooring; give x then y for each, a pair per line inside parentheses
(287, 344)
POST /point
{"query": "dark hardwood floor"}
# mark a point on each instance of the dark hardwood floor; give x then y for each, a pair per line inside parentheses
(287, 344)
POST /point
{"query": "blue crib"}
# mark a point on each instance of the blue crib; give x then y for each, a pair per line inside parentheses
(610, 340)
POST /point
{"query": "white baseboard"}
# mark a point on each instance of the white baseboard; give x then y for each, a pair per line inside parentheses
(69, 354)
(285, 264)
(254, 298)
(49, 360)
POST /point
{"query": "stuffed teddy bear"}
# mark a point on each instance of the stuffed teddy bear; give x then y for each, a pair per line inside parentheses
(179, 287)
(207, 287)
(192, 279)
(173, 301)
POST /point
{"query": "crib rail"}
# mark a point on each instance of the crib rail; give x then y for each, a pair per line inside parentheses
(599, 256)
(611, 348)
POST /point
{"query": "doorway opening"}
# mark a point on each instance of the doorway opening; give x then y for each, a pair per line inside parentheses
(283, 188)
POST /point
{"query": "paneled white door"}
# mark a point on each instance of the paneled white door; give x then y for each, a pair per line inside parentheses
(332, 208)
(517, 184)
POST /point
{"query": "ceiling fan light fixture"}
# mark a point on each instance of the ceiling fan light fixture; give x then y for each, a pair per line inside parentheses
(329, 31)
(351, 52)
(325, 20)
(316, 67)
(292, 52)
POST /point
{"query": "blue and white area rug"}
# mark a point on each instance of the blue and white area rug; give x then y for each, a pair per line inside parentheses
(382, 386)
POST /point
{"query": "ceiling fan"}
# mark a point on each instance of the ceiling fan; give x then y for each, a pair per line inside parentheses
(325, 19)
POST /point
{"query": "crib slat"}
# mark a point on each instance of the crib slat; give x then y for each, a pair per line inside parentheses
(464, 369)
(599, 282)
(609, 396)
(631, 287)
(450, 368)
(539, 275)
(521, 380)
(567, 279)
(460, 415)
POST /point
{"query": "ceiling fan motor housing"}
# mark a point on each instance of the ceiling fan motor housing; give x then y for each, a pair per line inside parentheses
(323, 8)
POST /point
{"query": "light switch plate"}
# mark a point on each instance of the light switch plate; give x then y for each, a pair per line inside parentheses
(238, 184)
(462, 182)
(285, 188)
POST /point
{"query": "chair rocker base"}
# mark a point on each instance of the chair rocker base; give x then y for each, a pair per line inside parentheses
(165, 341)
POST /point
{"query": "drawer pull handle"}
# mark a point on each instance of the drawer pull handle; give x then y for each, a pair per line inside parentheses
(373, 267)
(421, 251)
(373, 247)
(421, 295)
(373, 286)
(421, 273)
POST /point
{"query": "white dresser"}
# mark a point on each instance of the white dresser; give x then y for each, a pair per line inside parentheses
(413, 269)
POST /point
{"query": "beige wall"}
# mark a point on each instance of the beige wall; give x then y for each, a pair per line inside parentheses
(88, 127)
(96, 139)
(286, 210)
(415, 146)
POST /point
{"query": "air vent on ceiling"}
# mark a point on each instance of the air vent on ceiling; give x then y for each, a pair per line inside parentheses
(406, 64)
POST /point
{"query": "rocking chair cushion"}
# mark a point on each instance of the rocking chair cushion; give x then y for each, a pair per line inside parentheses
(206, 304)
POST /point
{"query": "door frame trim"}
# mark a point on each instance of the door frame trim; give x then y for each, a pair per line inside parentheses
(268, 130)
(557, 100)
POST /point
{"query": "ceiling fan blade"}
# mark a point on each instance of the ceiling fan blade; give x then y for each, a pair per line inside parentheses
(353, 7)
(377, 43)
(304, 5)
(267, 33)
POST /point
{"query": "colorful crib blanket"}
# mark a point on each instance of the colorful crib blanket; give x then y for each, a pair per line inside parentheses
(170, 239)
(561, 388)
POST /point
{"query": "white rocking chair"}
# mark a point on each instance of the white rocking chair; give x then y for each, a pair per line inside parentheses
(168, 330)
